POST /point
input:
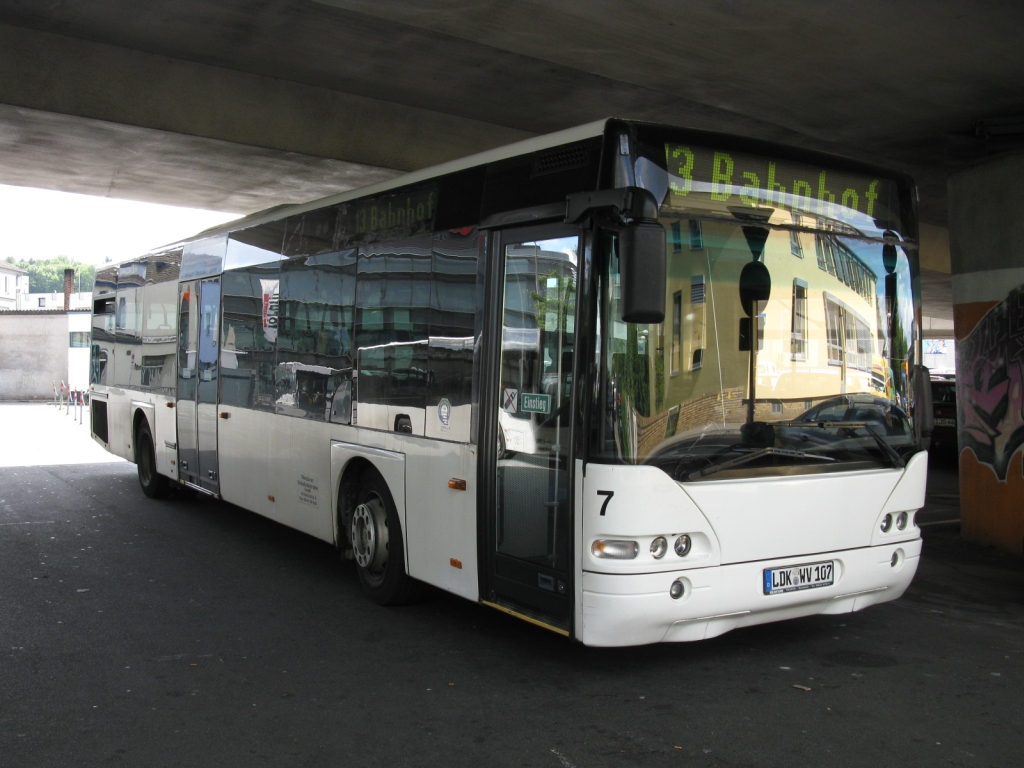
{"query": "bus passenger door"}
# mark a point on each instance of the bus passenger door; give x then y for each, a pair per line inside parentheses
(198, 369)
(207, 383)
(529, 517)
(188, 363)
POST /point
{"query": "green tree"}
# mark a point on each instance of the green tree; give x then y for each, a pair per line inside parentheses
(47, 275)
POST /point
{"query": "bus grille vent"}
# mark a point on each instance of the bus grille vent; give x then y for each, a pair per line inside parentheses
(557, 159)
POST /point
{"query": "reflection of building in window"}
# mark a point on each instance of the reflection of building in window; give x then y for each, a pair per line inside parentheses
(79, 339)
(696, 235)
(798, 345)
(849, 336)
(677, 329)
(677, 238)
(858, 342)
(794, 238)
(698, 321)
(837, 259)
(834, 330)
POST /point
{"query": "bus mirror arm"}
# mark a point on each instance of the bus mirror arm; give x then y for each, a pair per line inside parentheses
(632, 212)
(616, 207)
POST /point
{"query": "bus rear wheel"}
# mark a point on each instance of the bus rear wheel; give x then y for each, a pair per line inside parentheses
(154, 485)
(376, 537)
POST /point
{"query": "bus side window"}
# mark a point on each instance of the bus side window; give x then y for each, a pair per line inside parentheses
(394, 289)
(314, 349)
(158, 338)
(250, 301)
(454, 298)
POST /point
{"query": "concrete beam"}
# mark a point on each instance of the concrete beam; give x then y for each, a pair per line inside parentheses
(96, 157)
(133, 92)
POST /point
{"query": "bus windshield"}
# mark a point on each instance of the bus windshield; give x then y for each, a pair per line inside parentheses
(788, 340)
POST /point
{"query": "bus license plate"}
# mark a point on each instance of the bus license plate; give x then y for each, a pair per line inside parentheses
(810, 576)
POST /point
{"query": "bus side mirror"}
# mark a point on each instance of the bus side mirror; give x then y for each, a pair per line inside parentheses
(642, 270)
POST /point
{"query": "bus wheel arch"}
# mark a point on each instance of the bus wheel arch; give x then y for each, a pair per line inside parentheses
(369, 522)
(154, 485)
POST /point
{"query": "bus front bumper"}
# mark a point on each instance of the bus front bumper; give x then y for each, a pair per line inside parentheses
(637, 609)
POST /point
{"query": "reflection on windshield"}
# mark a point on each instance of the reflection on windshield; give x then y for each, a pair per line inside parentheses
(834, 333)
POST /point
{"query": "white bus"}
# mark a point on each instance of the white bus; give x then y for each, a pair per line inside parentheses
(628, 382)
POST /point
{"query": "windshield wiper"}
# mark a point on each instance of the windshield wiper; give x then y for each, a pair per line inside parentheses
(888, 450)
(753, 455)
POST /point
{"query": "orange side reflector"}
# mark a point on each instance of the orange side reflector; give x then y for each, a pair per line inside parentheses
(271, 498)
(456, 484)
(456, 563)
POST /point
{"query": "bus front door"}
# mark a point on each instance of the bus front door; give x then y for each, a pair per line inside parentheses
(529, 548)
(198, 368)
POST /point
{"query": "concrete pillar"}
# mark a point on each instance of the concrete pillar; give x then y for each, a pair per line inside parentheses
(986, 218)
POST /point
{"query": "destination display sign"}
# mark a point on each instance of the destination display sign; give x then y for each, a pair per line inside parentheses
(701, 177)
(399, 214)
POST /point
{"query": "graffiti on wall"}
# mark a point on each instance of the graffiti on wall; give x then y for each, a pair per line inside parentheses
(990, 384)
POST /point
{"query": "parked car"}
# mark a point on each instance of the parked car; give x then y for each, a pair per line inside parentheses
(861, 407)
(944, 439)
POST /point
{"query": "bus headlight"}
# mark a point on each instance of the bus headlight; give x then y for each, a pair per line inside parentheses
(886, 523)
(659, 547)
(615, 549)
(901, 520)
(682, 545)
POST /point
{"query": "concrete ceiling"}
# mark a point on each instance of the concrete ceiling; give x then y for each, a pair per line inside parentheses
(402, 84)
(241, 104)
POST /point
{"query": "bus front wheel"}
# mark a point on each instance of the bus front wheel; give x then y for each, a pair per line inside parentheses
(376, 536)
(154, 485)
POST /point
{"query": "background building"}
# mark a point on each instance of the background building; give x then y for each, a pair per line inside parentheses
(13, 285)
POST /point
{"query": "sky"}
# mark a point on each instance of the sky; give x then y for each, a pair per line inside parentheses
(41, 224)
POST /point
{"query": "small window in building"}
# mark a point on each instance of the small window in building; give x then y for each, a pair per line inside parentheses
(677, 238)
(696, 235)
(795, 246)
(79, 339)
(697, 319)
(798, 338)
(776, 407)
(42, 301)
(697, 289)
(677, 330)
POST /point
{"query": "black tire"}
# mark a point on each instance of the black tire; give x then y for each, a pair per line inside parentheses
(377, 548)
(154, 485)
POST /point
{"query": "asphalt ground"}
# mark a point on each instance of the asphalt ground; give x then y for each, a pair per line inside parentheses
(189, 632)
